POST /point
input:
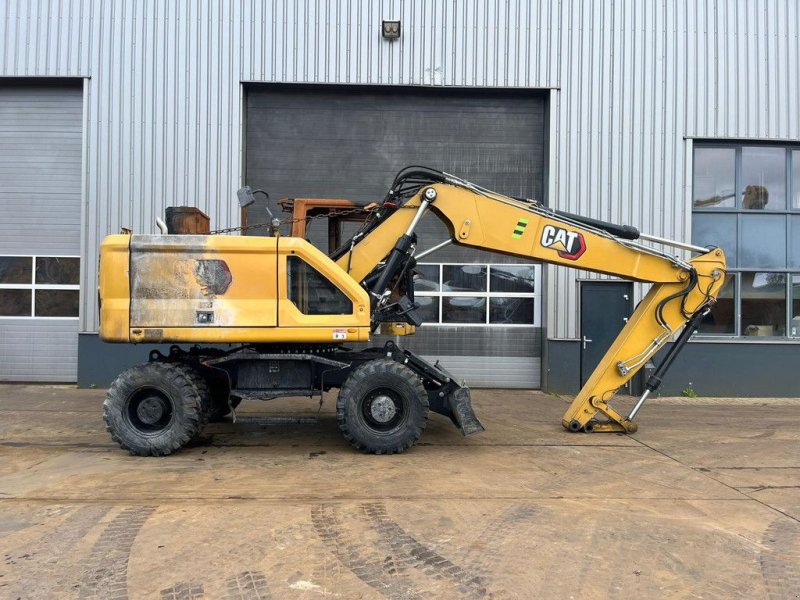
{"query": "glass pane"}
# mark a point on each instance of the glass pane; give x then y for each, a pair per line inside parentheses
(57, 303)
(512, 278)
(763, 304)
(714, 177)
(794, 324)
(794, 242)
(763, 241)
(722, 320)
(511, 311)
(55, 270)
(428, 308)
(426, 278)
(796, 179)
(716, 230)
(763, 178)
(312, 293)
(464, 278)
(15, 303)
(16, 269)
(463, 309)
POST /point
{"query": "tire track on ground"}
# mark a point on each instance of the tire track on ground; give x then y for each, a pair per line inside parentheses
(183, 590)
(106, 569)
(780, 561)
(248, 585)
(358, 556)
(45, 564)
(408, 551)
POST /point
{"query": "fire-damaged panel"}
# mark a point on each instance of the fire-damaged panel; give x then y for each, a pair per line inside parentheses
(182, 281)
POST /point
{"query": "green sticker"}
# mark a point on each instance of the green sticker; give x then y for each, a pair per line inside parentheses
(520, 228)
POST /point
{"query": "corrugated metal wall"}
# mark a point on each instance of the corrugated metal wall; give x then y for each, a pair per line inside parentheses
(633, 79)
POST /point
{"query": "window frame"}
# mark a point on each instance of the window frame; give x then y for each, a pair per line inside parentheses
(790, 303)
(488, 295)
(788, 148)
(787, 212)
(33, 287)
(314, 271)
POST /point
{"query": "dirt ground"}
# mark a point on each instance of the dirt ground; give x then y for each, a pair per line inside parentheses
(703, 502)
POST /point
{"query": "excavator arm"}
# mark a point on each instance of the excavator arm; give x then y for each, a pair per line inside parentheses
(681, 295)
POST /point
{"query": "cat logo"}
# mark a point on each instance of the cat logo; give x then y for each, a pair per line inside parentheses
(568, 244)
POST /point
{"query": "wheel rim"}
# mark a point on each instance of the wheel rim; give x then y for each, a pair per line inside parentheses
(149, 411)
(383, 409)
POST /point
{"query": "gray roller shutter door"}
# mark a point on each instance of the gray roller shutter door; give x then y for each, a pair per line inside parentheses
(40, 199)
(313, 141)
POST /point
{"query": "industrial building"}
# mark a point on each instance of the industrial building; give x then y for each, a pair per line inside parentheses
(677, 117)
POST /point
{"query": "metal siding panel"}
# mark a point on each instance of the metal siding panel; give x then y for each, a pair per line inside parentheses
(493, 372)
(38, 350)
(465, 341)
(42, 39)
(792, 74)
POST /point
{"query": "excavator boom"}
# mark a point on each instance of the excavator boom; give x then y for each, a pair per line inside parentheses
(682, 291)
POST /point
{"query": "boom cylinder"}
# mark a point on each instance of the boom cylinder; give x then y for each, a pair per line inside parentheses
(657, 378)
(402, 249)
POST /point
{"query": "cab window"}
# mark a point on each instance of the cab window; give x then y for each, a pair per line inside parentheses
(312, 293)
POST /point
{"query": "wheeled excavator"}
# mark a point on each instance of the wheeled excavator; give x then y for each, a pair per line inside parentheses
(273, 316)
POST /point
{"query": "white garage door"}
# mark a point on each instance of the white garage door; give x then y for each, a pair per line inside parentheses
(40, 230)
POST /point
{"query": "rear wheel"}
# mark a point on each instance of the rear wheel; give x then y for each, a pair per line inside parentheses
(382, 407)
(156, 408)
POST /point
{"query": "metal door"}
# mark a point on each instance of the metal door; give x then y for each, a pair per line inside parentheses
(605, 308)
(40, 229)
(325, 141)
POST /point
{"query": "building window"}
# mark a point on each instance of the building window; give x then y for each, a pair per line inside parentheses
(795, 180)
(746, 199)
(478, 294)
(722, 320)
(714, 177)
(39, 286)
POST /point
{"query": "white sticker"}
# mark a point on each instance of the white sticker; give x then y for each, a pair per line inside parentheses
(339, 334)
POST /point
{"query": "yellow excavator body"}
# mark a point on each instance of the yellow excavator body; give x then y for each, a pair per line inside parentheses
(291, 309)
(219, 289)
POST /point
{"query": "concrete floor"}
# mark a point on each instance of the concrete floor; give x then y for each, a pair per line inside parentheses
(703, 502)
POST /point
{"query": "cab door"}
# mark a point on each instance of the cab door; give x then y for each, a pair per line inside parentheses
(314, 292)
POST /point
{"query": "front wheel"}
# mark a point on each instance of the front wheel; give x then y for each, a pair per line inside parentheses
(382, 407)
(156, 408)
